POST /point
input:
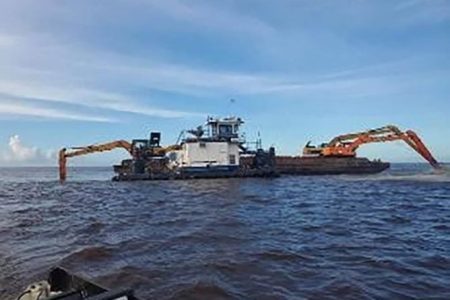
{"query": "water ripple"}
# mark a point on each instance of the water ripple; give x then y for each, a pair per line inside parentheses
(331, 237)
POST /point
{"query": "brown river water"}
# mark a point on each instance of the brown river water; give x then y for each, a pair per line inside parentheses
(383, 236)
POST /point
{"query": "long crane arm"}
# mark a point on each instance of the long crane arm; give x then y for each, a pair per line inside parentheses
(347, 144)
(420, 147)
(66, 153)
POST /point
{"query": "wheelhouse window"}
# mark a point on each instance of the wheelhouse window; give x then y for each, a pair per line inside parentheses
(232, 159)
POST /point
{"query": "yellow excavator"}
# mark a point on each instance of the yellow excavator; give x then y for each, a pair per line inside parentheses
(66, 153)
(137, 149)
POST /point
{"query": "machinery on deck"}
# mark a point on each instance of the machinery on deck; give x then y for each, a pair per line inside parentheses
(214, 151)
(138, 150)
(347, 144)
(218, 150)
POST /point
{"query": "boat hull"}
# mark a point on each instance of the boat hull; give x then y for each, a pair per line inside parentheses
(279, 165)
(296, 165)
(197, 173)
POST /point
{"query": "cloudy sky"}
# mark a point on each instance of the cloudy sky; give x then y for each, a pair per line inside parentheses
(81, 72)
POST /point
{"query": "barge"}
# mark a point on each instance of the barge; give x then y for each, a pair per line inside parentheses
(298, 165)
(218, 150)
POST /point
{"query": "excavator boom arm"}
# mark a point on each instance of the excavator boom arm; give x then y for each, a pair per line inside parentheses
(78, 151)
(373, 132)
(347, 144)
(420, 147)
(409, 137)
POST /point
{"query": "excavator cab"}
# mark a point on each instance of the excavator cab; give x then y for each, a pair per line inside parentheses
(311, 150)
(139, 144)
(153, 142)
(146, 149)
(155, 139)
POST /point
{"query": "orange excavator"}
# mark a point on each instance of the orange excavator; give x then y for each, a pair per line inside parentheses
(347, 144)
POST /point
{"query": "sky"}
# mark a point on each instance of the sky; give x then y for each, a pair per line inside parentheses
(75, 73)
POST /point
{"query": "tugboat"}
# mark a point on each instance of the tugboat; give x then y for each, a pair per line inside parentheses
(215, 150)
(212, 152)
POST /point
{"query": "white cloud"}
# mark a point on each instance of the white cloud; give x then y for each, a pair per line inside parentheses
(204, 82)
(208, 16)
(10, 109)
(17, 153)
(424, 11)
(6, 41)
(45, 91)
(85, 74)
(78, 76)
(183, 79)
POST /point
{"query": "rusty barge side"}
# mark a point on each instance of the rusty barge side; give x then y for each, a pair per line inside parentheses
(300, 165)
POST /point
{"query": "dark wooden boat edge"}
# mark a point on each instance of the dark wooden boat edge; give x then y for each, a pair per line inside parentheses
(71, 286)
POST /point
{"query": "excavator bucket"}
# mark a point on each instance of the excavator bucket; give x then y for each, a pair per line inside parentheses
(62, 165)
(420, 147)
